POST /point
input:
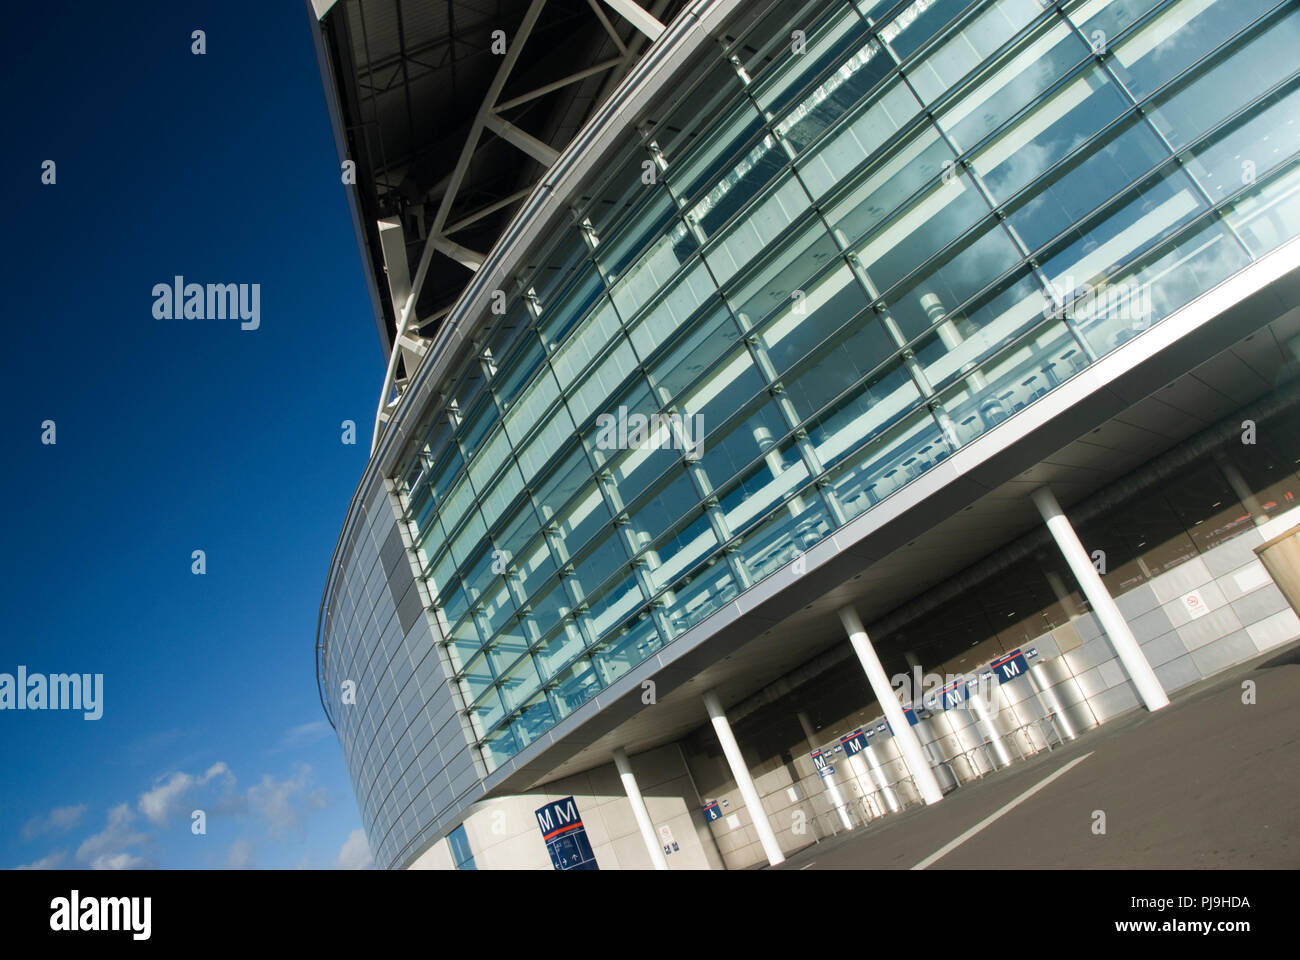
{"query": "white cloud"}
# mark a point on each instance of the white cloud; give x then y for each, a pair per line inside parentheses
(109, 845)
(304, 733)
(56, 821)
(117, 861)
(163, 801)
(240, 856)
(282, 804)
(49, 862)
(355, 854)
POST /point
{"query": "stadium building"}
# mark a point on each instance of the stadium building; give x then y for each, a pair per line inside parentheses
(796, 409)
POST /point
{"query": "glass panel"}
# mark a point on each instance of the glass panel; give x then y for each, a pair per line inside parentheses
(613, 605)
(868, 409)
(558, 318)
(662, 507)
(1130, 301)
(1017, 378)
(1266, 218)
(574, 687)
(962, 339)
(537, 399)
(781, 269)
(712, 335)
(812, 315)
(918, 22)
(602, 381)
(728, 388)
(477, 679)
(1140, 219)
(691, 288)
(535, 718)
(1221, 88)
(617, 250)
(496, 610)
(1250, 147)
(599, 562)
(705, 162)
(476, 425)
(1051, 130)
(748, 437)
(522, 682)
(581, 521)
(838, 367)
(563, 482)
(753, 171)
(499, 746)
(680, 550)
(1169, 42)
(635, 398)
(791, 531)
(826, 103)
(762, 485)
(828, 43)
(972, 45)
(531, 570)
(555, 432)
(650, 273)
(946, 210)
(508, 646)
(889, 463)
(559, 649)
(630, 646)
(696, 597)
(1088, 181)
(586, 343)
(888, 183)
(746, 239)
(861, 135)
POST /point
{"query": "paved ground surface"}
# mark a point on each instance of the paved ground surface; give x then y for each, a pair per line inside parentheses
(1207, 782)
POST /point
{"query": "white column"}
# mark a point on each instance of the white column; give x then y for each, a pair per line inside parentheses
(908, 744)
(740, 773)
(1112, 621)
(639, 810)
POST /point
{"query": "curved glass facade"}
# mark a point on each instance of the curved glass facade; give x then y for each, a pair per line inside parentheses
(857, 239)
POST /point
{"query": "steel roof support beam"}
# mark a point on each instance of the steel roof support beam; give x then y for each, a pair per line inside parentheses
(462, 255)
(487, 211)
(522, 139)
(571, 78)
(531, 15)
(609, 27)
(638, 16)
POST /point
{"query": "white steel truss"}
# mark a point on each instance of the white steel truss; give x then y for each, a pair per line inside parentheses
(408, 346)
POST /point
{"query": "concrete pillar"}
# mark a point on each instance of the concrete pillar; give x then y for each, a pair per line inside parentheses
(908, 744)
(828, 784)
(639, 811)
(1241, 488)
(740, 773)
(1112, 621)
(1063, 596)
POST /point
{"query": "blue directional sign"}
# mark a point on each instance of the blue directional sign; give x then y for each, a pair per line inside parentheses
(854, 742)
(712, 811)
(565, 836)
(955, 694)
(821, 762)
(1009, 666)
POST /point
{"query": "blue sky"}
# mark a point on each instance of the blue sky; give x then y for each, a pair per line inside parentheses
(175, 435)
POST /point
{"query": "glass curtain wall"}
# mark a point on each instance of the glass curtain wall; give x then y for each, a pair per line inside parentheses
(858, 238)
